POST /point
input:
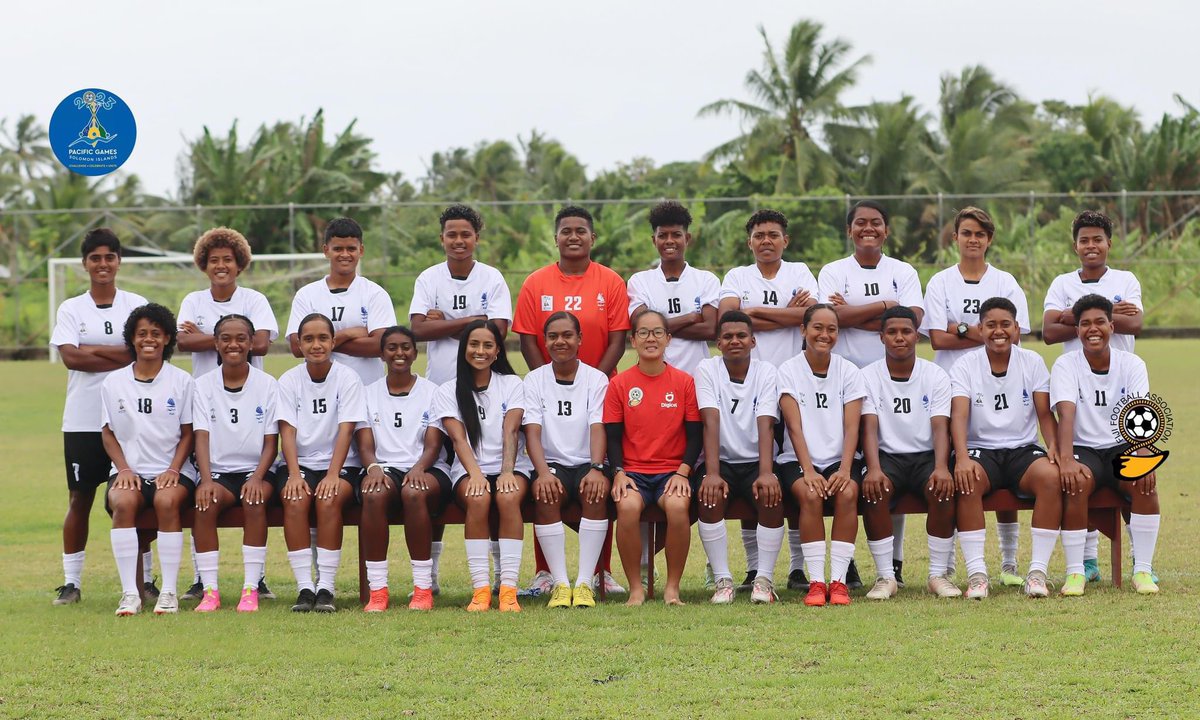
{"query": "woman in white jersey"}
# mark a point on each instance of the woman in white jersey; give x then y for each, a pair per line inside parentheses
(821, 398)
(237, 439)
(481, 412)
(400, 443)
(320, 403)
(564, 430)
(146, 417)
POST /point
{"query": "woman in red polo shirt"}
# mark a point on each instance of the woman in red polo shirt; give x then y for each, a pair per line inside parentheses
(654, 436)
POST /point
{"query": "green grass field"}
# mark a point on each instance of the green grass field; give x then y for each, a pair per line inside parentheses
(1109, 654)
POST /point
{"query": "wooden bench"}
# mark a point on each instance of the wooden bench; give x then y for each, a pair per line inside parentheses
(1104, 514)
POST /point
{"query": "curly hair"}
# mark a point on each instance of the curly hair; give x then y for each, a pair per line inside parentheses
(766, 215)
(160, 316)
(222, 237)
(997, 303)
(459, 211)
(1091, 218)
(1092, 302)
(669, 213)
(568, 211)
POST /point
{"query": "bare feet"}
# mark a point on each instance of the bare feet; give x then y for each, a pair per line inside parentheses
(637, 596)
(671, 596)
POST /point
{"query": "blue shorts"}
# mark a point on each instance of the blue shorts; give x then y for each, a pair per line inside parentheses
(651, 487)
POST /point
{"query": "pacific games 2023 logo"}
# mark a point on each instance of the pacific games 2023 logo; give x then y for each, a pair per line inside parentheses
(92, 132)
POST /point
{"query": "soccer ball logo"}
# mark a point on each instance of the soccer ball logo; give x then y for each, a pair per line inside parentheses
(1141, 422)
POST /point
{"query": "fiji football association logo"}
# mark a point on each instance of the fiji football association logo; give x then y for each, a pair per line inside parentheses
(635, 396)
(92, 132)
(1142, 422)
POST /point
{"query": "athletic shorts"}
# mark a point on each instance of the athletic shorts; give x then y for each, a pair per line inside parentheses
(1005, 468)
(312, 478)
(650, 486)
(148, 489)
(445, 489)
(739, 477)
(789, 472)
(88, 466)
(1100, 462)
(571, 476)
(492, 479)
(909, 473)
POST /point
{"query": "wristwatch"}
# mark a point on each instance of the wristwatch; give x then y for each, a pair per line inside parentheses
(618, 469)
(599, 467)
(962, 329)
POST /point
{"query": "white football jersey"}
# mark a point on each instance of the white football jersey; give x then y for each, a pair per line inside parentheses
(565, 411)
(1096, 395)
(399, 422)
(148, 417)
(906, 408)
(503, 393)
(951, 299)
(363, 304)
(482, 292)
(740, 404)
(1116, 285)
(822, 402)
(80, 322)
(200, 308)
(1003, 415)
(236, 422)
(754, 291)
(891, 279)
(690, 293)
(316, 409)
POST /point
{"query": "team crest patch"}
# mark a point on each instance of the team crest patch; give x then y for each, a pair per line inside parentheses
(483, 301)
(1025, 397)
(171, 406)
(259, 415)
(600, 300)
(547, 303)
(83, 328)
(978, 399)
(1141, 421)
(363, 311)
(635, 396)
(120, 405)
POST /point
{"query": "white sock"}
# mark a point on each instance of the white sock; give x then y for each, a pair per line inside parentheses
(510, 561)
(477, 562)
(206, 563)
(553, 540)
(312, 546)
(422, 571)
(1073, 542)
(1009, 537)
(254, 559)
(435, 555)
(1091, 548)
(125, 551)
(1143, 529)
(495, 548)
(198, 578)
(301, 562)
(769, 542)
(715, 539)
(377, 574)
(971, 543)
(645, 529)
(591, 543)
(170, 557)
(73, 567)
(148, 566)
(1043, 547)
(795, 553)
(750, 544)
(327, 567)
(950, 561)
(814, 560)
(840, 555)
(898, 539)
(882, 551)
(940, 550)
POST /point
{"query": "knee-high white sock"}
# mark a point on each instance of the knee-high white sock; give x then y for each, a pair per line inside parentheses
(301, 562)
(73, 567)
(1143, 529)
(206, 563)
(477, 562)
(553, 540)
(170, 557)
(898, 539)
(591, 543)
(715, 540)
(422, 571)
(972, 542)
(750, 544)
(435, 556)
(125, 551)
(1091, 547)
(195, 563)
(795, 551)
(882, 550)
(769, 542)
(377, 574)
(1073, 542)
(148, 565)
(510, 561)
(254, 559)
(495, 548)
(940, 550)
(1043, 547)
(952, 559)
(814, 560)
(1009, 537)
(645, 529)
(840, 555)
(327, 567)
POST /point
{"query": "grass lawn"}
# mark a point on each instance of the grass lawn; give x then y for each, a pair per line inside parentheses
(1108, 654)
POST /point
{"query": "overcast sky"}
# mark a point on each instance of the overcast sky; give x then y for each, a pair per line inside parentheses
(612, 80)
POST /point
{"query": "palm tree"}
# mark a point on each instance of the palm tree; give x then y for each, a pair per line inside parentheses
(883, 152)
(24, 150)
(793, 95)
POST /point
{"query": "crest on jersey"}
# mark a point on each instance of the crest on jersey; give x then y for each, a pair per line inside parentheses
(503, 408)
(425, 419)
(363, 310)
(212, 414)
(120, 405)
(600, 300)
(978, 399)
(745, 296)
(925, 402)
(800, 399)
(635, 396)
(1025, 397)
(1117, 298)
(895, 287)
(483, 301)
(699, 304)
(200, 321)
(82, 328)
(259, 415)
(171, 406)
(547, 303)
(376, 419)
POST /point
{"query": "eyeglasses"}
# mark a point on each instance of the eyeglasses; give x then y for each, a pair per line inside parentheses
(658, 333)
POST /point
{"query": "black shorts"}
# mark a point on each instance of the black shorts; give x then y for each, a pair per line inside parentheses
(909, 472)
(650, 486)
(312, 478)
(88, 466)
(491, 479)
(148, 489)
(739, 477)
(789, 472)
(232, 482)
(1100, 462)
(1005, 468)
(445, 489)
(570, 476)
